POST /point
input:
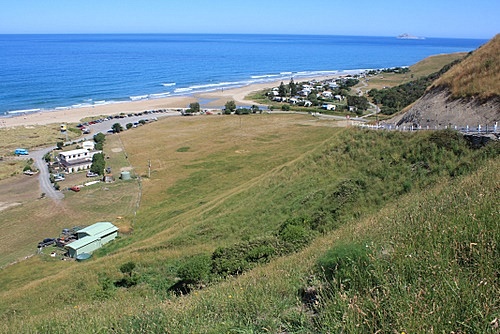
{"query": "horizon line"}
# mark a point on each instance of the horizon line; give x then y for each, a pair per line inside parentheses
(229, 34)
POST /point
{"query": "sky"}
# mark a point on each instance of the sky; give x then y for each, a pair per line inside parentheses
(427, 18)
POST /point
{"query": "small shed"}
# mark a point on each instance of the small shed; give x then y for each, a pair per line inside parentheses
(92, 238)
(88, 145)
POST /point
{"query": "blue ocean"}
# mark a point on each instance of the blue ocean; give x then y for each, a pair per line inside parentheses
(39, 72)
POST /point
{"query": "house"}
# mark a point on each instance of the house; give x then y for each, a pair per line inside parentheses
(333, 85)
(76, 160)
(92, 238)
(328, 106)
(327, 94)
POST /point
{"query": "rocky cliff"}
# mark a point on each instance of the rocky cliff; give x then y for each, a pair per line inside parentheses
(467, 95)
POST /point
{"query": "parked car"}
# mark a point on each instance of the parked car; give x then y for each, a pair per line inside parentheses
(21, 151)
(46, 242)
(92, 174)
(75, 188)
(59, 177)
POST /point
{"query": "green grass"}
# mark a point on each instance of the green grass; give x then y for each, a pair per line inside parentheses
(396, 194)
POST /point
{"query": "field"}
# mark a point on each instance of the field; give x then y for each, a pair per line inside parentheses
(267, 223)
(28, 137)
(30, 218)
(233, 182)
(421, 69)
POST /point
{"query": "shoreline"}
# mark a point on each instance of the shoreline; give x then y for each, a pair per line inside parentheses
(214, 99)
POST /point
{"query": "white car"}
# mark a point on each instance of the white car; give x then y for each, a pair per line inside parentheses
(92, 174)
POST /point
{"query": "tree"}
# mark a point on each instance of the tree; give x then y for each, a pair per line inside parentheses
(60, 145)
(282, 90)
(293, 87)
(129, 126)
(230, 107)
(194, 107)
(99, 137)
(117, 128)
(313, 98)
(359, 102)
(98, 164)
(127, 268)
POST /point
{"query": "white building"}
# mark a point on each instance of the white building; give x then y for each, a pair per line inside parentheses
(327, 95)
(88, 145)
(328, 106)
(76, 160)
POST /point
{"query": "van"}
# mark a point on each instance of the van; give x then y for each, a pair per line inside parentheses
(21, 151)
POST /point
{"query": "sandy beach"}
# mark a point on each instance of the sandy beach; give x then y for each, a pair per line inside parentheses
(214, 99)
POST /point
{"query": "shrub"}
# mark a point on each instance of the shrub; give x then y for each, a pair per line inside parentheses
(127, 268)
(347, 266)
(296, 234)
(195, 269)
(235, 259)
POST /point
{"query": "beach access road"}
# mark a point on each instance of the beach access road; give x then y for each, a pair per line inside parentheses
(44, 177)
(38, 155)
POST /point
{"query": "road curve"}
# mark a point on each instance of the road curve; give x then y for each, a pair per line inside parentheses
(44, 177)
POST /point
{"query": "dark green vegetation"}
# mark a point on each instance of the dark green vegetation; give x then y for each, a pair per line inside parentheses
(394, 99)
(194, 107)
(354, 231)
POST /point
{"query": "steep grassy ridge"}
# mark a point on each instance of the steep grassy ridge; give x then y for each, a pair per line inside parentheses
(477, 75)
(225, 181)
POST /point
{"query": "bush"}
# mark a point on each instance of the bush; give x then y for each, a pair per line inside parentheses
(195, 269)
(285, 107)
(296, 234)
(127, 268)
(235, 259)
(347, 267)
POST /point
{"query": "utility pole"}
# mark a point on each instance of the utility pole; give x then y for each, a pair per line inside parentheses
(149, 168)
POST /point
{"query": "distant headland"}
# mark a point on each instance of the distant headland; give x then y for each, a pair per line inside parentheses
(408, 36)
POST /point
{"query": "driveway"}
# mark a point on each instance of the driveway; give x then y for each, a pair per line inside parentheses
(44, 177)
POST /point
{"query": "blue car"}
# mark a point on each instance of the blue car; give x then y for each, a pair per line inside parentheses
(21, 151)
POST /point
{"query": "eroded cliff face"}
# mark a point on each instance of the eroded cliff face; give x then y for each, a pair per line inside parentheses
(437, 108)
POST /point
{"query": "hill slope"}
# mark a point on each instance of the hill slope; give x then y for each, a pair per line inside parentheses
(468, 94)
(231, 183)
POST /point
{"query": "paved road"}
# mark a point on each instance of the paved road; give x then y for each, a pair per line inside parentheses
(44, 177)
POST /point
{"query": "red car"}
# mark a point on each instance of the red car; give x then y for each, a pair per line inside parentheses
(75, 188)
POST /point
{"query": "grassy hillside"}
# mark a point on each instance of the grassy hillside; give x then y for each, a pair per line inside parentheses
(421, 69)
(284, 191)
(478, 75)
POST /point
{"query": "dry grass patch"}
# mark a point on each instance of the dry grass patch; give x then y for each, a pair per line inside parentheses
(478, 75)
(31, 136)
(423, 68)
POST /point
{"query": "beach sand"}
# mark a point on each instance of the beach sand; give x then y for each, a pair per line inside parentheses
(214, 99)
